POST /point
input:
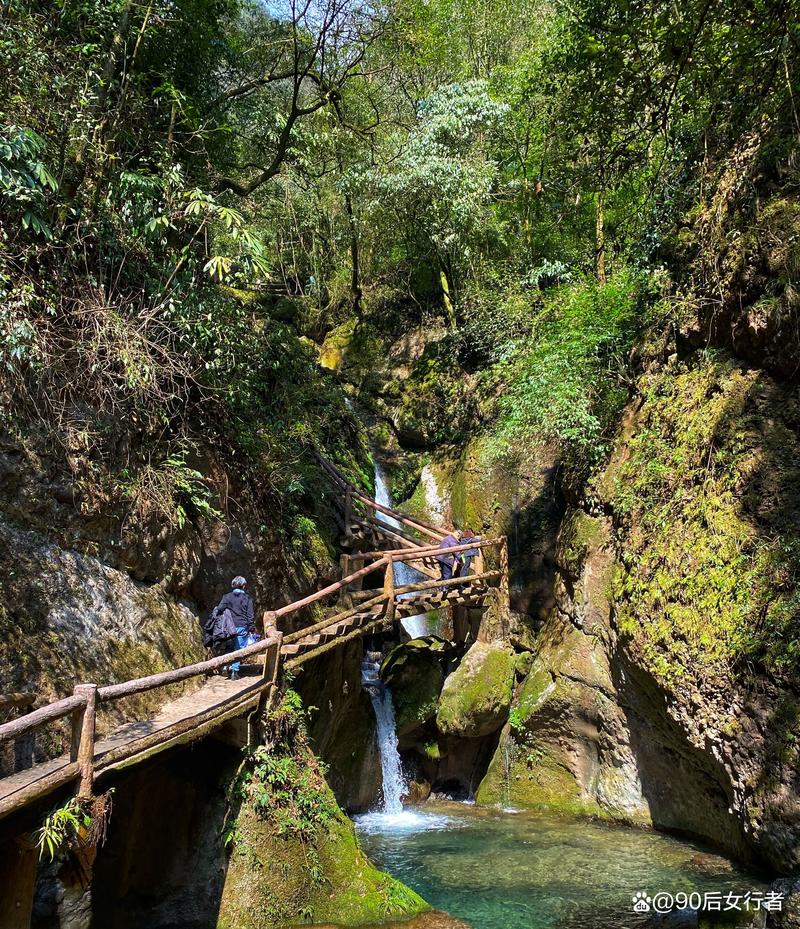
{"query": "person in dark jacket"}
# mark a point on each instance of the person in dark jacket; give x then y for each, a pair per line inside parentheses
(449, 563)
(240, 603)
(466, 556)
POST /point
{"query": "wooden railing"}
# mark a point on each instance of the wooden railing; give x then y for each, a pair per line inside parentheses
(82, 706)
(352, 499)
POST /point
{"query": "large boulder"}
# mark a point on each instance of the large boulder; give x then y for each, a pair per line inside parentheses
(476, 697)
(413, 673)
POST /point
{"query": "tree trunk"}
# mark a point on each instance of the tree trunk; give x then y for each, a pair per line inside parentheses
(355, 278)
(600, 238)
(98, 110)
(446, 301)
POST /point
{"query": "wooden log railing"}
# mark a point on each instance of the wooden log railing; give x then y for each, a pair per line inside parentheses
(375, 609)
(350, 495)
(82, 708)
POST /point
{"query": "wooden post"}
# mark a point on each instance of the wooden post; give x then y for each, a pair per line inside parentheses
(344, 594)
(17, 881)
(272, 660)
(83, 733)
(478, 563)
(388, 590)
(348, 513)
(270, 620)
(504, 569)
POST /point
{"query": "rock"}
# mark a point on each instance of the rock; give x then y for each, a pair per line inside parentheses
(710, 864)
(476, 697)
(275, 876)
(566, 746)
(413, 673)
(789, 915)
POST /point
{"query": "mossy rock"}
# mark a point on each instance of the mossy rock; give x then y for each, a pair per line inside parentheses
(413, 673)
(337, 343)
(528, 776)
(275, 879)
(704, 491)
(476, 697)
(579, 534)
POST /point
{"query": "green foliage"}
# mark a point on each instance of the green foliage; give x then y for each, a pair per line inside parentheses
(25, 182)
(284, 788)
(571, 384)
(63, 826)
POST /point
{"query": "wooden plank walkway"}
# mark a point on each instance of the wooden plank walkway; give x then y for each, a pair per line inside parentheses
(131, 741)
(195, 714)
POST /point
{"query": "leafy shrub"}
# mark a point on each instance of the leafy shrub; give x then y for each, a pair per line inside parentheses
(570, 383)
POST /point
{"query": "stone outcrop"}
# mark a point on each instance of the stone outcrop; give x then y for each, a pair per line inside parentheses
(648, 698)
(476, 697)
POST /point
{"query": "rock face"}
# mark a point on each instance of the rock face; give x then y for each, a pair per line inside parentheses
(342, 727)
(414, 674)
(660, 689)
(567, 745)
(476, 697)
(66, 617)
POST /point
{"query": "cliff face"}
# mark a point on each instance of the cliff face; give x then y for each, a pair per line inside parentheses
(111, 549)
(663, 687)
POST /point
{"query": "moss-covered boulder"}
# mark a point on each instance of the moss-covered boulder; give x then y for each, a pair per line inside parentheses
(413, 672)
(333, 353)
(476, 697)
(294, 856)
(277, 880)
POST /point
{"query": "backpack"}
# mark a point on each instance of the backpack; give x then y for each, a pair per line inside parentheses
(220, 626)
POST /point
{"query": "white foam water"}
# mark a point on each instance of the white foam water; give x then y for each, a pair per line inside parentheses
(415, 626)
(394, 785)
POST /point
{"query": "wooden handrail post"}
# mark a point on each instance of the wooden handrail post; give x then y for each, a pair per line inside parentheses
(84, 722)
(344, 593)
(504, 584)
(388, 590)
(272, 660)
(270, 620)
(348, 512)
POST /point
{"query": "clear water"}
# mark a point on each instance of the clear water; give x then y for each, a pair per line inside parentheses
(415, 626)
(497, 870)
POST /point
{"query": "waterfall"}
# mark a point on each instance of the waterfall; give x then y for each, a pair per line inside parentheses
(394, 785)
(415, 626)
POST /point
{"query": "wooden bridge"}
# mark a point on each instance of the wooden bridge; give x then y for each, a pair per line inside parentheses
(391, 538)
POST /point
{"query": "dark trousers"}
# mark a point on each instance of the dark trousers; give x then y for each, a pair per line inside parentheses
(446, 568)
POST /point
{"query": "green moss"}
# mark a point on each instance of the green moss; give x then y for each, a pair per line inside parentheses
(579, 534)
(527, 776)
(534, 691)
(337, 343)
(274, 880)
(476, 697)
(294, 856)
(413, 673)
(707, 497)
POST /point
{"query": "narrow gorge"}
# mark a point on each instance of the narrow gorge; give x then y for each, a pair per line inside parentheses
(460, 341)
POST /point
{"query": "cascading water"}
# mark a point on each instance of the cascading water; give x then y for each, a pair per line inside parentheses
(394, 785)
(391, 817)
(415, 626)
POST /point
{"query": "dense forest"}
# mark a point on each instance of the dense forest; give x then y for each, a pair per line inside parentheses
(193, 193)
(548, 251)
